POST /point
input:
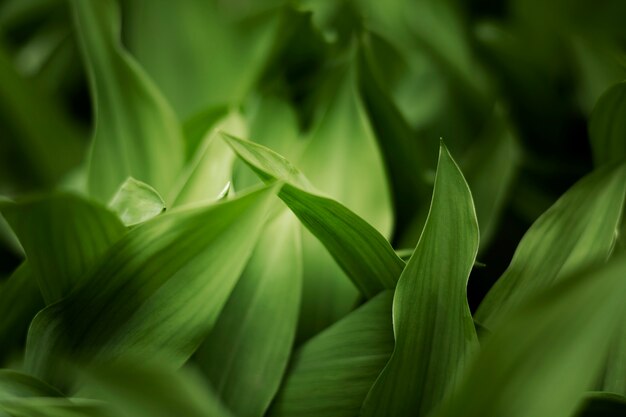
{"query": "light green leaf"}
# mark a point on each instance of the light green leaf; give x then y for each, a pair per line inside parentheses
(246, 353)
(331, 373)
(63, 236)
(135, 202)
(578, 229)
(607, 126)
(158, 290)
(210, 170)
(197, 126)
(363, 253)
(136, 133)
(549, 350)
(344, 140)
(221, 53)
(144, 389)
(432, 323)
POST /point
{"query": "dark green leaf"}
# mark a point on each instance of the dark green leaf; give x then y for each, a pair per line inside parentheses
(432, 323)
(577, 230)
(63, 236)
(544, 354)
(332, 372)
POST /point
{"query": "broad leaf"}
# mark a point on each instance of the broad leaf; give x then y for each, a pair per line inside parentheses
(365, 255)
(246, 353)
(136, 132)
(607, 126)
(578, 229)
(432, 323)
(332, 372)
(157, 292)
(135, 202)
(54, 407)
(63, 236)
(557, 338)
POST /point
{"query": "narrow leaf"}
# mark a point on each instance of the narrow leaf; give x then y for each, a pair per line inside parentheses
(432, 323)
(136, 133)
(332, 372)
(607, 126)
(547, 352)
(363, 253)
(578, 229)
(246, 353)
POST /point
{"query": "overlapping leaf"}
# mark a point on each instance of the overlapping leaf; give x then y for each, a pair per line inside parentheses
(136, 132)
(63, 236)
(578, 229)
(544, 354)
(433, 326)
(157, 292)
(246, 354)
(365, 255)
(332, 373)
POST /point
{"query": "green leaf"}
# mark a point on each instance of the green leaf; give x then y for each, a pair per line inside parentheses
(614, 380)
(607, 126)
(549, 350)
(210, 170)
(221, 52)
(197, 126)
(158, 290)
(246, 353)
(135, 202)
(578, 229)
(17, 384)
(490, 166)
(136, 133)
(16, 316)
(144, 389)
(331, 373)
(54, 407)
(432, 323)
(63, 236)
(34, 151)
(363, 253)
(343, 138)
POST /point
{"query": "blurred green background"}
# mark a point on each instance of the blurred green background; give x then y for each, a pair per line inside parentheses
(509, 85)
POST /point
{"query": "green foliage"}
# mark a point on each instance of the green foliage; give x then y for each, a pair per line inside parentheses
(236, 208)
